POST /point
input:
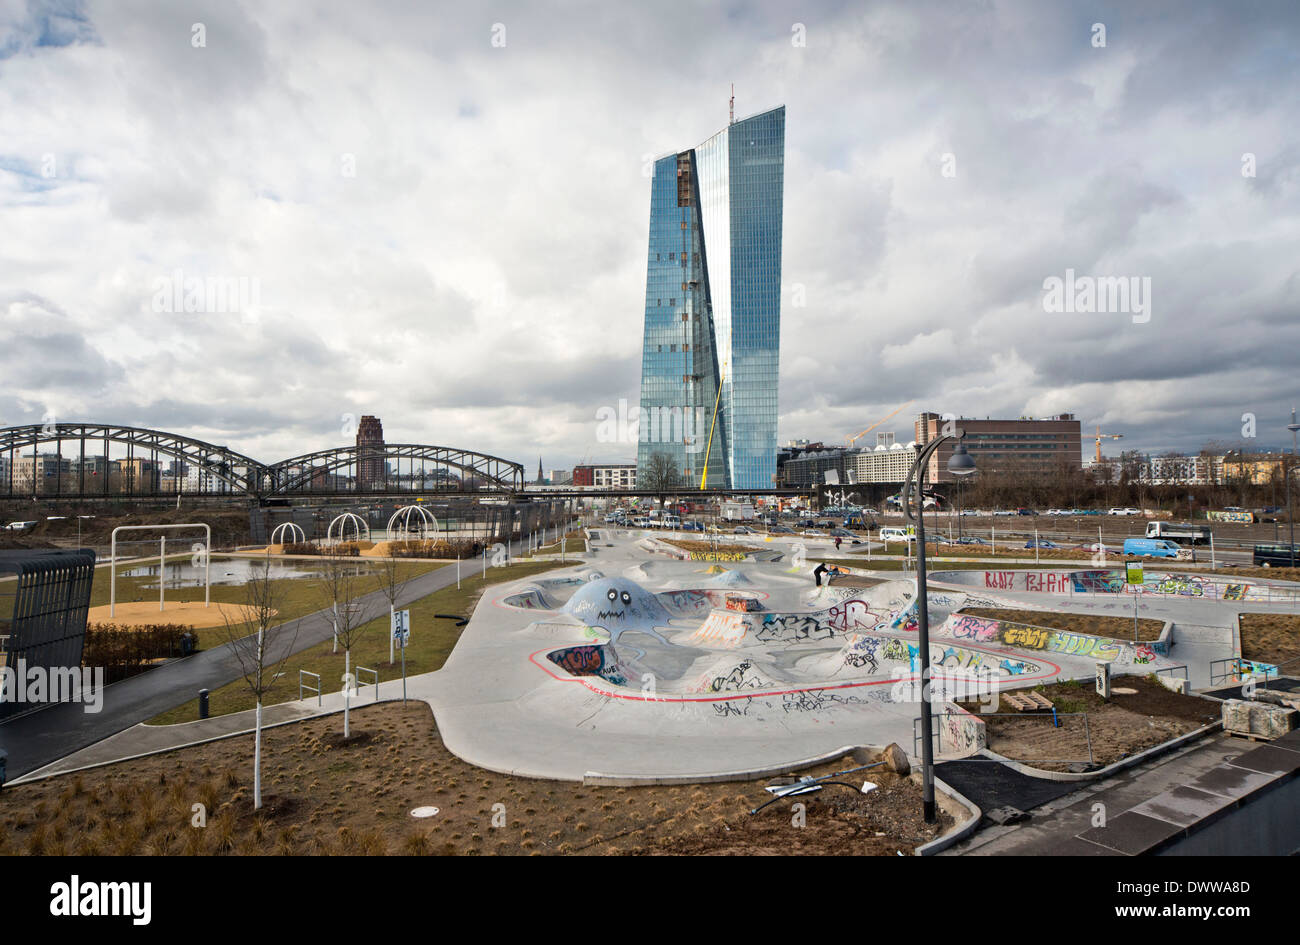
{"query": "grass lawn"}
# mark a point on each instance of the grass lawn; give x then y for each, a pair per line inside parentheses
(297, 596)
(432, 639)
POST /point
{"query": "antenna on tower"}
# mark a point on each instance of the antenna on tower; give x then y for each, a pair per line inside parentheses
(732, 115)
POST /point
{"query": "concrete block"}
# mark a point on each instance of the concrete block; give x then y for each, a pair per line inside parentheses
(1271, 721)
(1236, 715)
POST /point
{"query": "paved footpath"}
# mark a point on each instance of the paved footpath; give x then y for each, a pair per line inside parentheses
(38, 738)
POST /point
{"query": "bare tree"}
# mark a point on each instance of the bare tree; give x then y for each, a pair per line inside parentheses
(261, 605)
(342, 594)
(660, 474)
(390, 581)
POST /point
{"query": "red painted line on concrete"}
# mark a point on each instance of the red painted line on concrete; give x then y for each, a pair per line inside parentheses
(759, 693)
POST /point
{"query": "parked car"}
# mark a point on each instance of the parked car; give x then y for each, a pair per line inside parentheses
(782, 530)
(970, 540)
(743, 530)
(1042, 543)
(1023, 511)
(1126, 511)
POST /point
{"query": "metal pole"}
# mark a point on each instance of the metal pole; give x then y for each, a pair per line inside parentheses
(923, 624)
(923, 640)
(162, 570)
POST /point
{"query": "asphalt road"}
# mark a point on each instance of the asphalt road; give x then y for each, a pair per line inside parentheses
(38, 738)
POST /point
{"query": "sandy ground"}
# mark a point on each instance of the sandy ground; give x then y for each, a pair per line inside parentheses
(192, 613)
(325, 796)
(1271, 638)
(1125, 725)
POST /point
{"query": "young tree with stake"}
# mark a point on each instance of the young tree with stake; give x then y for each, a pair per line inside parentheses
(261, 655)
(341, 592)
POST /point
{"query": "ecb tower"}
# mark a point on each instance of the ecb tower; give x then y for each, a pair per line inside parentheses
(713, 307)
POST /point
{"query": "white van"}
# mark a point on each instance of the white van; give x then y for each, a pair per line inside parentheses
(894, 533)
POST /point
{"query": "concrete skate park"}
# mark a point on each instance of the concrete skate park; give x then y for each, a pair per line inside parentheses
(638, 666)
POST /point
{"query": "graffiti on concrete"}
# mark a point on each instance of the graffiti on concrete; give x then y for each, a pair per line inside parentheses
(1050, 582)
(813, 700)
(742, 676)
(596, 660)
(961, 732)
(860, 653)
(718, 556)
(970, 627)
(852, 615)
(1027, 637)
(793, 628)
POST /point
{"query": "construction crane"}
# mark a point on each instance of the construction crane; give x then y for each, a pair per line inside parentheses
(850, 440)
(1103, 436)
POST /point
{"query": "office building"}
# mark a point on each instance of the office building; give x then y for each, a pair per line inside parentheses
(713, 306)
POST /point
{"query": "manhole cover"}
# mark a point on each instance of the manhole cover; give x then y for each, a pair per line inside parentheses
(424, 812)
(1123, 691)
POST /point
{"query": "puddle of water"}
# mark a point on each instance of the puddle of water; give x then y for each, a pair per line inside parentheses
(233, 571)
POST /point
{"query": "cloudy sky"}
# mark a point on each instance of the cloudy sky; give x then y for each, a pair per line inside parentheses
(439, 215)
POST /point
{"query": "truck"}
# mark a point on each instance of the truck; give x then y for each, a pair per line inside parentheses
(737, 512)
(1154, 548)
(1181, 532)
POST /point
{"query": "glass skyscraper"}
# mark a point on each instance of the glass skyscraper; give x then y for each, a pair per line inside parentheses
(713, 307)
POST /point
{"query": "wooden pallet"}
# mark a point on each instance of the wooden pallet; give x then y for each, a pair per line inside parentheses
(1026, 701)
(1251, 736)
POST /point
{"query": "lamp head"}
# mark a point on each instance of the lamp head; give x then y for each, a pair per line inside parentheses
(961, 463)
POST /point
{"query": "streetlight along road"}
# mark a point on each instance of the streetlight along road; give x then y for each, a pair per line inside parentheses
(960, 463)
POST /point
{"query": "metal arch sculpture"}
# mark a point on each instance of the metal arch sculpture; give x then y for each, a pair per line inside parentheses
(413, 523)
(218, 462)
(296, 535)
(343, 521)
(296, 473)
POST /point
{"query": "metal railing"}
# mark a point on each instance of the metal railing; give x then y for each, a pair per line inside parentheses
(1235, 669)
(374, 674)
(1171, 670)
(302, 686)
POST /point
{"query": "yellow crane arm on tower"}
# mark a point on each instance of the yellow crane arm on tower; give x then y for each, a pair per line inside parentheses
(850, 440)
(1104, 436)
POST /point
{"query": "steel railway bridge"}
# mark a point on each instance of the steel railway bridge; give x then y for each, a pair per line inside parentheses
(84, 461)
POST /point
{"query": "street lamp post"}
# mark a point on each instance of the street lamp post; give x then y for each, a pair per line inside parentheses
(1290, 519)
(959, 464)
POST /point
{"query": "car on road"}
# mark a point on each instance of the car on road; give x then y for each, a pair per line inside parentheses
(1023, 511)
(1125, 511)
(1042, 543)
(781, 530)
(743, 530)
(970, 540)
(814, 533)
(846, 535)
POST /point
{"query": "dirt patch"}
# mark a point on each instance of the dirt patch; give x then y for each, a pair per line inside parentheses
(854, 580)
(1270, 638)
(324, 795)
(1124, 726)
(1118, 628)
(706, 546)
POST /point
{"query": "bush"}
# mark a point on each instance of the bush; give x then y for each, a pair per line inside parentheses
(125, 650)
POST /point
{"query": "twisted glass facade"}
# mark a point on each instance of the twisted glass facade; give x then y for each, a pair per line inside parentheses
(713, 306)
